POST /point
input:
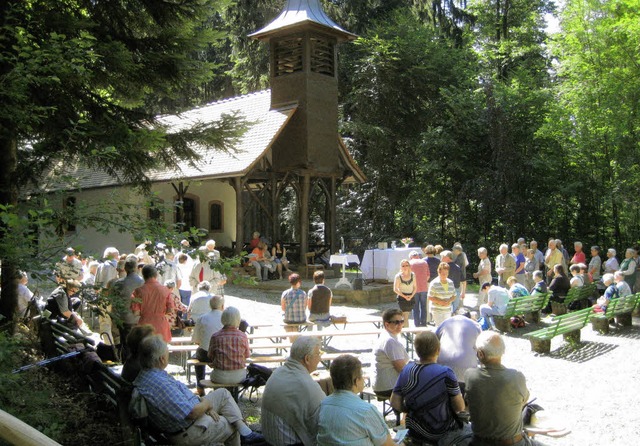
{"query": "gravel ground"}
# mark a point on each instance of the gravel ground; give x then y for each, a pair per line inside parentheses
(589, 389)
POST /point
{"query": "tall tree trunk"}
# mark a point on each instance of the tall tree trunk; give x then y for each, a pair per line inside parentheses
(8, 197)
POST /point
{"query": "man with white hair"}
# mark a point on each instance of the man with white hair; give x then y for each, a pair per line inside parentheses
(108, 270)
(205, 327)
(199, 304)
(184, 417)
(484, 271)
(552, 257)
(203, 270)
(623, 287)
(291, 398)
(505, 265)
(539, 256)
(495, 396)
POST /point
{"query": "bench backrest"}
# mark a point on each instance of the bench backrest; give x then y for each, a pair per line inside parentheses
(622, 305)
(572, 321)
(579, 293)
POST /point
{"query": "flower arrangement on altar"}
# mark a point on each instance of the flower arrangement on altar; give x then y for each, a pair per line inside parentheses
(406, 241)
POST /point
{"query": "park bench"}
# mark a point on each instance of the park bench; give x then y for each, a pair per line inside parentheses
(620, 309)
(325, 359)
(568, 325)
(527, 306)
(575, 296)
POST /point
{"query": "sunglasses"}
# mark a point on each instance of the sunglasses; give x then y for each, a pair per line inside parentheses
(397, 322)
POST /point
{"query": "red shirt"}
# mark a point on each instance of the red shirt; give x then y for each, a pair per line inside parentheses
(579, 257)
(421, 269)
(229, 349)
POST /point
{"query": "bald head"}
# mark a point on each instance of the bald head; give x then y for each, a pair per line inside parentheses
(490, 347)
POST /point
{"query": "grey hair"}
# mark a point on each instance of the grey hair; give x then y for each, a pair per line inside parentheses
(577, 244)
(110, 251)
(204, 286)
(482, 250)
(607, 278)
(230, 317)
(538, 273)
(631, 250)
(504, 246)
(446, 254)
(303, 346)
(612, 251)
(152, 349)
(210, 242)
(216, 302)
(491, 344)
(170, 284)
(618, 275)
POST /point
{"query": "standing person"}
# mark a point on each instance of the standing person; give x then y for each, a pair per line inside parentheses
(108, 270)
(429, 394)
(578, 256)
(530, 265)
(539, 255)
(293, 303)
(505, 265)
(24, 294)
(552, 257)
(184, 417)
(484, 270)
(286, 418)
(442, 293)
(205, 327)
(458, 336)
(185, 265)
(497, 299)
(199, 304)
(495, 396)
(168, 271)
(520, 262)
(390, 354)
(404, 285)
(152, 302)
(455, 274)
(123, 289)
(460, 259)
(432, 260)
(420, 269)
(320, 297)
(70, 268)
(229, 349)
(205, 271)
(344, 417)
(628, 267)
(611, 265)
(595, 264)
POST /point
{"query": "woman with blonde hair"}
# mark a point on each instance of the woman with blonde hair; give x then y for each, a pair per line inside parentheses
(405, 287)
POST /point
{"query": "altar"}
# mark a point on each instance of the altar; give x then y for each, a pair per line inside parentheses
(384, 264)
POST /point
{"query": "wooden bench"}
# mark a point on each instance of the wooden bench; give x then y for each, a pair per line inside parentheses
(575, 294)
(568, 325)
(527, 306)
(368, 393)
(234, 389)
(620, 309)
(325, 359)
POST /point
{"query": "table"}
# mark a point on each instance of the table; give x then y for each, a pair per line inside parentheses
(383, 264)
(344, 260)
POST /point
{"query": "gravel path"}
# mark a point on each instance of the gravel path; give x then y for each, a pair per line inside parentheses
(591, 389)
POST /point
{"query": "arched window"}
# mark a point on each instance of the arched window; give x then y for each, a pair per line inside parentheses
(216, 216)
(156, 210)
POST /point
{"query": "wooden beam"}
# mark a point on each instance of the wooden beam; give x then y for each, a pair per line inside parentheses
(304, 215)
(331, 204)
(257, 200)
(237, 185)
(16, 431)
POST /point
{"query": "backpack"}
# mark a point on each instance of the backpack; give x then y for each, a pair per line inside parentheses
(257, 376)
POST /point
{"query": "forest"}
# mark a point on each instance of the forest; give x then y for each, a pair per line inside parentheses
(472, 119)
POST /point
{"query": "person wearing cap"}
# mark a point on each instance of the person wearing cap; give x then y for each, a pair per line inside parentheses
(497, 299)
(420, 269)
(70, 268)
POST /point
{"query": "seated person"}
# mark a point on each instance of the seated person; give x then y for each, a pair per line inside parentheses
(61, 304)
(286, 418)
(206, 326)
(576, 279)
(497, 299)
(458, 336)
(260, 262)
(610, 293)
(184, 417)
(428, 392)
(540, 285)
(279, 255)
(320, 301)
(199, 303)
(294, 303)
(559, 286)
(229, 349)
(344, 417)
(132, 366)
(623, 287)
(516, 289)
(390, 354)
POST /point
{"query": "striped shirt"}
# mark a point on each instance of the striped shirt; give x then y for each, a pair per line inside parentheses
(229, 349)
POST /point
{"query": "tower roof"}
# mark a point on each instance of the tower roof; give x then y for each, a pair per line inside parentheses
(299, 13)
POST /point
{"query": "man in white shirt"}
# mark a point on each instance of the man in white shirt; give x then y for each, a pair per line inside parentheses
(206, 326)
(199, 304)
(497, 299)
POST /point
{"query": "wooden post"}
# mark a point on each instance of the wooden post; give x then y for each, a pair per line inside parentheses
(304, 215)
(275, 209)
(331, 203)
(237, 185)
(16, 431)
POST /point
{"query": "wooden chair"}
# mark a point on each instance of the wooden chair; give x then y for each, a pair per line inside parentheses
(309, 263)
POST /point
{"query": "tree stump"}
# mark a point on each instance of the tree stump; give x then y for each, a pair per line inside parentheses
(624, 320)
(573, 337)
(502, 323)
(540, 345)
(600, 324)
(532, 317)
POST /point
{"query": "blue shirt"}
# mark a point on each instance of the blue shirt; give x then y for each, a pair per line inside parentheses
(345, 419)
(519, 261)
(518, 290)
(169, 401)
(426, 390)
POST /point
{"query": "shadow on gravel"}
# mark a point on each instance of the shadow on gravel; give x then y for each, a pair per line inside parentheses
(583, 352)
(624, 332)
